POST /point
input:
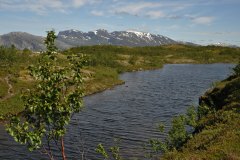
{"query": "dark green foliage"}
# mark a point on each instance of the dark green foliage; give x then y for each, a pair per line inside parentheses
(49, 105)
(26, 51)
(222, 96)
(8, 55)
(101, 150)
(191, 117)
(98, 55)
(114, 152)
(203, 110)
(218, 139)
(133, 59)
(216, 134)
(236, 70)
(177, 135)
(13, 60)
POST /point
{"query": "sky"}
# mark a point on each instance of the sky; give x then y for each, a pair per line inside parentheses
(197, 21)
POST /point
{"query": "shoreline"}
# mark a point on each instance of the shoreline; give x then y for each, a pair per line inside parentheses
(121, 82)
(111, 86)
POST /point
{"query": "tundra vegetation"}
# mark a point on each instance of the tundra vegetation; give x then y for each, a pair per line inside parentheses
(104, 66)
(212, 118)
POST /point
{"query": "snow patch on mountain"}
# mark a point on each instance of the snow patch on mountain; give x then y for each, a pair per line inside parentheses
(72, 38)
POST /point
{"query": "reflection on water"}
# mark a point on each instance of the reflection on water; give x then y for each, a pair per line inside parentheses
(130, 112)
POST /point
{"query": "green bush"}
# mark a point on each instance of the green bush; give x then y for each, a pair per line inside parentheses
(177, 135)
(236, 70)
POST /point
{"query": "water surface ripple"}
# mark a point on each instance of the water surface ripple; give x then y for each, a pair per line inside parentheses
(130, 112)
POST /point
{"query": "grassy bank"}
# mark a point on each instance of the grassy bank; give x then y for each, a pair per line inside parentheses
(105, 65)
(217, 133)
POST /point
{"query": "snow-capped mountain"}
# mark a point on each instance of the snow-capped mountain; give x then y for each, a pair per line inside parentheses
(123, 38)
(224, 45)
(72, 38)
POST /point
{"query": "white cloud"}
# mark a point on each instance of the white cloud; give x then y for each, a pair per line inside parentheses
(154, 10)
(155, 14)
(97, 13)
(39, 7)
(203, 20)
(135, 9)
(44, 6)
(80, 3)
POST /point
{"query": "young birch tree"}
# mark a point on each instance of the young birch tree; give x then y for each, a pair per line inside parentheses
(49, 105)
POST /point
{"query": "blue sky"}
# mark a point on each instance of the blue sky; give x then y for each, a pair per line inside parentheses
(198, 21)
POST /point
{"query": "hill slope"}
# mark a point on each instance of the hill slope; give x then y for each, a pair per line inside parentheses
(22, 40)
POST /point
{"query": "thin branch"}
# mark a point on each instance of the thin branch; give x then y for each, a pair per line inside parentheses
(63, 150)
(47, 136)
(47, 152)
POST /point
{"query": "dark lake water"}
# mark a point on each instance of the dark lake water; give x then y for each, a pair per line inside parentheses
(129, 112)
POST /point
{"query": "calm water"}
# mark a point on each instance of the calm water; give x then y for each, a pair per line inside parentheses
(130, 112)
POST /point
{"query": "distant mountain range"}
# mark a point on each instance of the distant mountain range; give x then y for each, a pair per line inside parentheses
(72, 38)
(224, 45)
(103, 37)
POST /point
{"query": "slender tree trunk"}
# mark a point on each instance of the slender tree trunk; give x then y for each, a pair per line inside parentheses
(63, 150)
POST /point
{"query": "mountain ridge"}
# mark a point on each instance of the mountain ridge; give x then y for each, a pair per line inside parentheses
(73, 38)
